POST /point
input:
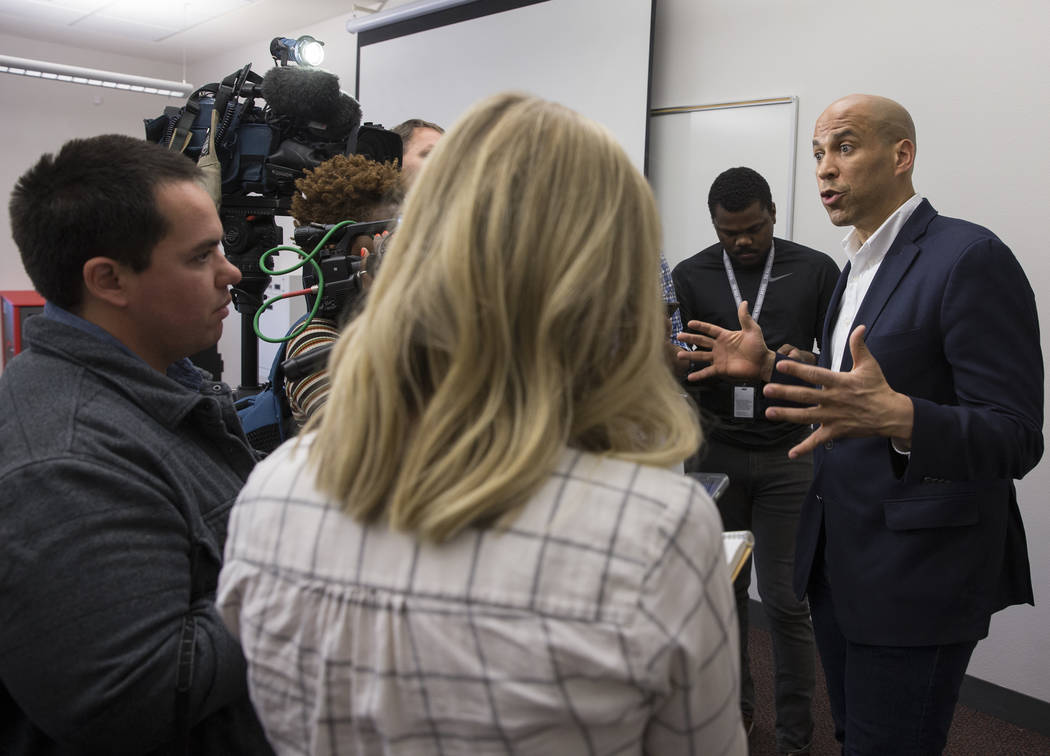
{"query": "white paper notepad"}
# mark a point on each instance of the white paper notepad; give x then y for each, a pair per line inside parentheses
(737, 545)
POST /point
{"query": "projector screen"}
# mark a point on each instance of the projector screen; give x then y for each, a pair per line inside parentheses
(592, 57)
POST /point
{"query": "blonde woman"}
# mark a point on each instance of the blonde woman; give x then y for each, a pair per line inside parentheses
(478, 547)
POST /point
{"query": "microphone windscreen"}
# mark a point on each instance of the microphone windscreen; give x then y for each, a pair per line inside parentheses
(346, 118)
(306, 94)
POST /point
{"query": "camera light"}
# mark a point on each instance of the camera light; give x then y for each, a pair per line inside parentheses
(304, 51)
(309, 51)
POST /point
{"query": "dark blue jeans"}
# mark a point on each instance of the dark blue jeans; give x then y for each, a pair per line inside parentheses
(886, 699)
(765, 495)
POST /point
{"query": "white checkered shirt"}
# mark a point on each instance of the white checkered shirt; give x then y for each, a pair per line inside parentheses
(601, 621)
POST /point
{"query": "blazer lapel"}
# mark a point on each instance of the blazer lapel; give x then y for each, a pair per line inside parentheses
(824, 358)
(898, 259)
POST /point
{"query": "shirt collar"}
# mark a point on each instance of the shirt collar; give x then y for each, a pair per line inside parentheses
(878, 244)
(66, 317)
(183, 371)
(772, 247)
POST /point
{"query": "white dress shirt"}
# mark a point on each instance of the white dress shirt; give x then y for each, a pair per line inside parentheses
(865, 260)
(600, 620)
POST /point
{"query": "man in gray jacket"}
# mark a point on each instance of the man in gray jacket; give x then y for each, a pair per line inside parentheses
(118, 465)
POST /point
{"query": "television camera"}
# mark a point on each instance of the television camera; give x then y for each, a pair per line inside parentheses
(339, 264)
(254, 136)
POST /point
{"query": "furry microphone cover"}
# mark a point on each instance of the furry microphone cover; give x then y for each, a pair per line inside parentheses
(309, 94)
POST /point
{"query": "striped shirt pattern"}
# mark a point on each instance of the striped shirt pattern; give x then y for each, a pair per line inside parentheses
(307, 395)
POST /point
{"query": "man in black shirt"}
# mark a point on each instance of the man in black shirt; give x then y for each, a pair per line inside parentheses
(788, 287)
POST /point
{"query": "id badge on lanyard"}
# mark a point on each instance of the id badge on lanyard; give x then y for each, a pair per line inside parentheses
(744, 396)
(744, 402)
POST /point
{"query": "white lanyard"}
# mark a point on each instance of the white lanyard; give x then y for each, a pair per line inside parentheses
(761, 296)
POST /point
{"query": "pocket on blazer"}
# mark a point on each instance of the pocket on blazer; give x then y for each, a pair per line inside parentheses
(917, 513)
(899, 341)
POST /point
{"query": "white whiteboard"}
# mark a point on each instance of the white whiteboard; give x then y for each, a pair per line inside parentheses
(592, 57)
(689, 147)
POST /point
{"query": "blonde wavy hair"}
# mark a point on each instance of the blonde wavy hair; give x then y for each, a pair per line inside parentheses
(518, 311)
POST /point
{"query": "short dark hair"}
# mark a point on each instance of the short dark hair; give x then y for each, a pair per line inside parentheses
(737, 189)
(405, 128)
(97, 196)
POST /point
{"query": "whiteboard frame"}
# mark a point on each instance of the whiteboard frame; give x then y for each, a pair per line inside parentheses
(789, 226)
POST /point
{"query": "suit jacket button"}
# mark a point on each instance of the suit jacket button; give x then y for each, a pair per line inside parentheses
(828, 445)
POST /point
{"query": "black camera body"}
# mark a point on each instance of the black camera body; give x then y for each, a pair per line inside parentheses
(268, 131)
(341, 266)
(270, 128)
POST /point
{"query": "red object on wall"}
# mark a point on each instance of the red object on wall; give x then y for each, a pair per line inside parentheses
(18, 307)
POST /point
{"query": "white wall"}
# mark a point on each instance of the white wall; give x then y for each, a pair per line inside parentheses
(974, 76)
(39, 116)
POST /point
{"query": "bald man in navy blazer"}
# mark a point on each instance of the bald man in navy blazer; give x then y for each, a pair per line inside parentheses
(928, 404)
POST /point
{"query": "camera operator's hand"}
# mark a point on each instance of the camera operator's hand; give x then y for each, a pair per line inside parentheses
(366, 276)
(378, 241)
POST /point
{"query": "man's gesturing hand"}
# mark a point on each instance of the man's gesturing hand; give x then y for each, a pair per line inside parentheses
(857, 403)
(739, 354)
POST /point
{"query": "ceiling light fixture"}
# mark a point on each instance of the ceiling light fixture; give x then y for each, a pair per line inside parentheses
(41, 69)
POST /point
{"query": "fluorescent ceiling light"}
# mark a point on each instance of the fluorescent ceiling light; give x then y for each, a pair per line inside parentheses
(93, 77)
(400, 13)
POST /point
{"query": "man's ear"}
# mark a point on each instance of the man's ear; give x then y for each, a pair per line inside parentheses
(773, 212)
(904, 153)
(105, 279)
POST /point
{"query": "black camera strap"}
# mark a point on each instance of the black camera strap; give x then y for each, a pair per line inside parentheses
(243, 82)
(181, 136)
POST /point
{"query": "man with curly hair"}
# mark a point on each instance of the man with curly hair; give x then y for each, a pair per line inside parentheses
(345, 187)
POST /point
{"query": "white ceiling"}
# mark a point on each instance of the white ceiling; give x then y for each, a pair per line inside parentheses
(168, 31)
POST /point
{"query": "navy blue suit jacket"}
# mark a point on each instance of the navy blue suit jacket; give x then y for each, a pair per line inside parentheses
(921, 550)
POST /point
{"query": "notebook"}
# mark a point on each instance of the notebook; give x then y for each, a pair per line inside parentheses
(737, 545)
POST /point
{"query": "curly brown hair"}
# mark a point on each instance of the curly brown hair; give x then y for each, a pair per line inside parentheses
(346, 187)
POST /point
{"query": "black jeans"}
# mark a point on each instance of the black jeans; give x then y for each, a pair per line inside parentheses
(765, 494)
(886, 699)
